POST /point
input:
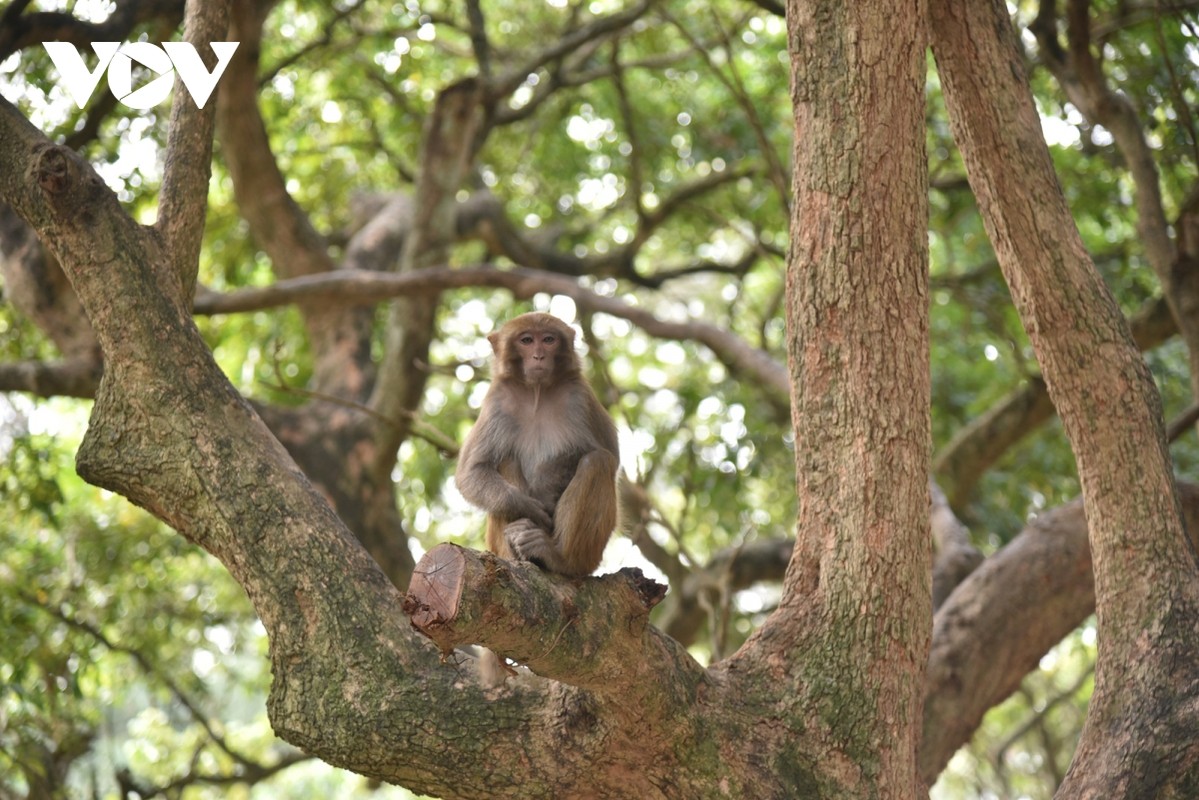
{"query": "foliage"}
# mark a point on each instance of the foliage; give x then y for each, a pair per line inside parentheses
(123, 645)
(127, 653)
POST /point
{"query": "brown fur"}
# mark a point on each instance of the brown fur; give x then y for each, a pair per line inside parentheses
(542, 457)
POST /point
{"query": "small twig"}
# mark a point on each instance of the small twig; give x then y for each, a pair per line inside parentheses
(145, 664)
(1182, 423)
(1036, 716)
(558, 638)
(323, 40)
(418, 426)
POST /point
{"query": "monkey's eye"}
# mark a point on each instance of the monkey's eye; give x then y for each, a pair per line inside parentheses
(526, 339)
(549, 339)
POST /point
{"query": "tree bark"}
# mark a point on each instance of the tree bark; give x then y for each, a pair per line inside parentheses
(856, 597)
(1140, 736)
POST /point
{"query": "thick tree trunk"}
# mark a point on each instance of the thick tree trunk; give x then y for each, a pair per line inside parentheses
(857, 598)
(1140, 737)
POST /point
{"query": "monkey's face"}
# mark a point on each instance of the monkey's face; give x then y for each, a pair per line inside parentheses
(537, 351)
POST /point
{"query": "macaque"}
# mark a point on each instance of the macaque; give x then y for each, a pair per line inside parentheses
(542, 457)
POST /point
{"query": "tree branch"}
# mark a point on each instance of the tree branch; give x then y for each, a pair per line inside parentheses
(598, 28)
(19, 31)
(77, 378)
(452, 133)
(324, 40)
(247, 770)
(1088, 89)
(277, 222)
(1080, 73)
(995, 627)
(183, 198)
(955, 556)
(478, 37)
(482, 215)
(582, 632)
(732, 81)
(340, 341)
(369, 288)
(570, 72)
(974, 448)
(37, 287)
(734, 568)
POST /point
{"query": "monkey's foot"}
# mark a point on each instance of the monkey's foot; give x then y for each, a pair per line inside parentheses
(528, 541)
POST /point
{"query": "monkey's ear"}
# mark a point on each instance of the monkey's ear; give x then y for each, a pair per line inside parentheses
(494, 338)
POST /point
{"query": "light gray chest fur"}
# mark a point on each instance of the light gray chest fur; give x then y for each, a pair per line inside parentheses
(546, 434)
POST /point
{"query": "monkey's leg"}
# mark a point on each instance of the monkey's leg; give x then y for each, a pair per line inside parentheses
(586, 513)
(583, 520)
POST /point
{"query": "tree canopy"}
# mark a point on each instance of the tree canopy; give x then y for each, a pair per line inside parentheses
(264, 323)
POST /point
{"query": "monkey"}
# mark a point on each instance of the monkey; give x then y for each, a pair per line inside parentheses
(542, 457)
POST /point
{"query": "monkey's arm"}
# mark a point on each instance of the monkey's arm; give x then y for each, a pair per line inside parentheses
(481, 477)
(484, 486)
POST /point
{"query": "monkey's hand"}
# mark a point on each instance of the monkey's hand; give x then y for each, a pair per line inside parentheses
(531, 543)
(521, 506)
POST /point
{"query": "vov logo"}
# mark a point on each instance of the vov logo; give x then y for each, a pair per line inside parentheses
(118, 60)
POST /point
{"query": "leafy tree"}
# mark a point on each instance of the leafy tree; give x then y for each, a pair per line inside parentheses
(274, 308)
